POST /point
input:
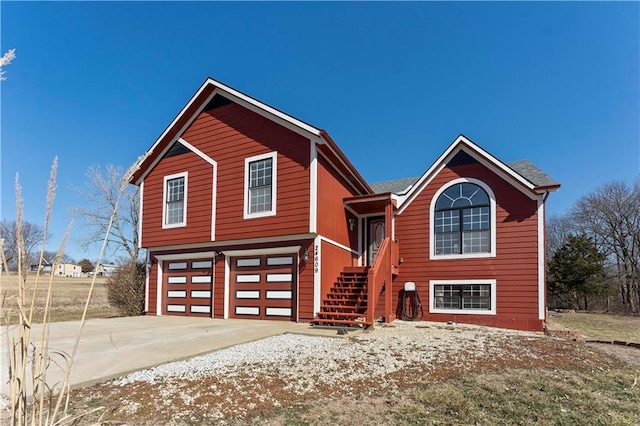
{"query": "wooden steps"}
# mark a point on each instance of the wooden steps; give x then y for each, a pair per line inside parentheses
(346, 303)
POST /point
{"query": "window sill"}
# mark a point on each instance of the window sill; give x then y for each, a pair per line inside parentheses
(462, 311)
(257, 215)
(174, 225)
(461, 256)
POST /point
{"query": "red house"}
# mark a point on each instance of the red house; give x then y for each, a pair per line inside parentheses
(248, 212)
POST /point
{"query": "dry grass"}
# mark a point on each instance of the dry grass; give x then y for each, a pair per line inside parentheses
(601, 326)
(68, 298)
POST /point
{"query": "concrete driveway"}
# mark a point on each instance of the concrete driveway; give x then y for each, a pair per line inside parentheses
(114, 347)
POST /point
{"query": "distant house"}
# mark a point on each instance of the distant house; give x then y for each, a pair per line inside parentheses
(105, 269)
(45, 267)
(68, 270)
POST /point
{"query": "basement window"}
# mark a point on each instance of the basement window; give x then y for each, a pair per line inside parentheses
(462, 297)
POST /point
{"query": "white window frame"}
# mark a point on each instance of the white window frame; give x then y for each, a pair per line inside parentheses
(432, 299)
(492, 222)
(166, 225)
(274, 180)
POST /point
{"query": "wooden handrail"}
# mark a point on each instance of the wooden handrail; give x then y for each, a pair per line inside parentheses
(380, 277)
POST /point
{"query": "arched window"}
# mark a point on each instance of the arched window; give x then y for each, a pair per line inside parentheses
(462, 220)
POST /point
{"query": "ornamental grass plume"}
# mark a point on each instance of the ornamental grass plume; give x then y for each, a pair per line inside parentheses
(6, 60)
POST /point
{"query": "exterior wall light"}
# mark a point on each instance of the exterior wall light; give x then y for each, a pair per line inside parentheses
(305, 257)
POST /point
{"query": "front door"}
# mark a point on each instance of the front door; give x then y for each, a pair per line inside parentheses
(375, 236)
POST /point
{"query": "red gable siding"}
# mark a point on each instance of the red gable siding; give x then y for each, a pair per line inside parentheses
(514, 268)
(333, 218)
(199, 197)
(228, 135)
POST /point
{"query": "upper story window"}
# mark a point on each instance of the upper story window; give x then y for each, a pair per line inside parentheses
(463, 221)
(175, 201)
(260, 185)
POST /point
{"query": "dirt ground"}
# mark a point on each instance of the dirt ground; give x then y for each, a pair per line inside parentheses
(468, 378)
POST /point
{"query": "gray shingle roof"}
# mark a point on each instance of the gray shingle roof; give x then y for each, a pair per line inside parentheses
(530, 172)
(524, 168)
(397, 186)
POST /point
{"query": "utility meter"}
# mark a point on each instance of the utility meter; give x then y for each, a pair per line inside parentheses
(410, 286)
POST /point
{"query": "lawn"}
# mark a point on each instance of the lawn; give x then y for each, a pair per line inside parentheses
(601, 326)
(68, 298)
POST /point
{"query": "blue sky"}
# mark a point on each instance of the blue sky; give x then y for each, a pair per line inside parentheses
(393, 83)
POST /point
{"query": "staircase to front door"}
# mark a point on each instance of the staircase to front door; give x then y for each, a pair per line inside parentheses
(346, 303)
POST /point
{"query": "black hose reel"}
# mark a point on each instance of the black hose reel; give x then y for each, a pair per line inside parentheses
(411, 304)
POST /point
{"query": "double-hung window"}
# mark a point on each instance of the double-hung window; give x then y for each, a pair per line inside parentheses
(463, 221)
(175, 201)
(260, 185)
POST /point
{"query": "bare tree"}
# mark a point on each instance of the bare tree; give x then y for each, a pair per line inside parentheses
(611, 215)
(31, 234)
(559, 229)
(102, 195)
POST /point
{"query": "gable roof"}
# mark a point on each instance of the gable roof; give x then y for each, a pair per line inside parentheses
(533, 174)
(397, 186)
(522, 174)
(205, 95)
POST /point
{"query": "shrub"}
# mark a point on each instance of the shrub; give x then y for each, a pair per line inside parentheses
(126, 288)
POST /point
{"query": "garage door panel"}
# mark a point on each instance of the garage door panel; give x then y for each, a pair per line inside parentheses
(188, 287)
(263, 287)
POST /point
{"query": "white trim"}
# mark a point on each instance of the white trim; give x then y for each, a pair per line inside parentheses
(214, 182)
(492, 208)
(317, 273)
(482, 156)
(434, 310)
(146, 282)
(541, 260)
(274, 182)
(169, 127)
(167, 178)
(313, 186)
(140, 194)
(227, 275)
(247, 241)
(337, 244)
(361, 232)
(186, 256)
(262, 252)
(159, 288)
(199, 153)
(261, 108)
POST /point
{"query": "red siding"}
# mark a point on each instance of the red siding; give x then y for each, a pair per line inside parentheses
(515, 267)
(153, 290)
(334, 259)
(305, 284)
(199, 198)
(333, 218)
(228, 135)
